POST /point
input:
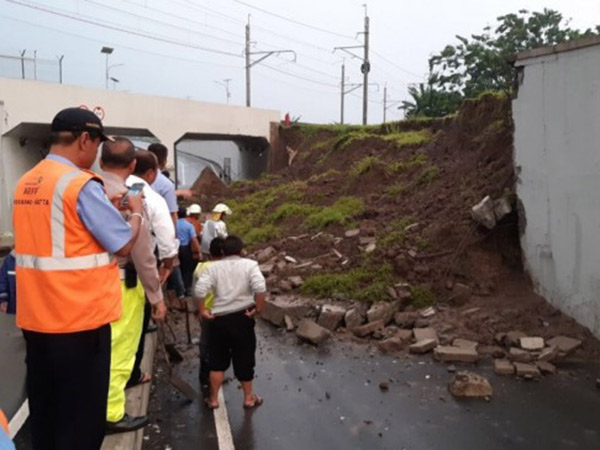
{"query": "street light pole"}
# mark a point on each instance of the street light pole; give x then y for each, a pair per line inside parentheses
(107, 51)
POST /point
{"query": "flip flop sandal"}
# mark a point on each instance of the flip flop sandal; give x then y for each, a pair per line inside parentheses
(257, 402)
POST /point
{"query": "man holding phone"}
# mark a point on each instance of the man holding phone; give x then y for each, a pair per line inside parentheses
(118, 163)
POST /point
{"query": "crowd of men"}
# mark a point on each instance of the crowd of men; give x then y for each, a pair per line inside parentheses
(93, 256)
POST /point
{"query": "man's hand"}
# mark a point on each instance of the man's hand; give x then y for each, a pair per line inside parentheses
(185, 193)
(251, 312)
(159, 311)
(3, 307)
(135, 204)
(207, 315)
(163, 273)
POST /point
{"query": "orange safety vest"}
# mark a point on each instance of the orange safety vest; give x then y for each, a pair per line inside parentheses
(3, 422)
(66, 281)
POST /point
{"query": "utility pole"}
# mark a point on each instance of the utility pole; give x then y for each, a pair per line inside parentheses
(35, 64)
(250, 63)
(343, 88)
(387, 106)
(60, 74)
(365, 66)
(225, 83)
(23, 64)
(344, 92)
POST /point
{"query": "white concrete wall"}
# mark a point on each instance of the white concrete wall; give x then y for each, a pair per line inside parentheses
(169, 119)
(557, 157)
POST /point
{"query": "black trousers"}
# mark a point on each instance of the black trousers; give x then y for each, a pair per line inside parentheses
(136, 372)
(231, 338)
(67, 388)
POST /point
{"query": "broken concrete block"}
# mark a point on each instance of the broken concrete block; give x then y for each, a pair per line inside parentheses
(266, 269)
(513, 338)
(353, 318)
(464, 343)
(391, 291)
(311, 332)
(524, 370)
(289, 323)
(483, 213)
(427, 312)
(276, 308)
(422, 334)
(518, 355)
(291, 260)
(532, 343)
(371, 248)
(423, 346)
(405, 319)
(565, 344)
(546, 368)
(296, 281)
(331, 317)
(381, 311)
(404, 335)
(470, 385)
(265, 254)
(285, 285)
(549, 354)
(367, 241)
(503, 367)
(391, 345)
(369, 328)
(502, 208)
(455, 354)
(352, 233)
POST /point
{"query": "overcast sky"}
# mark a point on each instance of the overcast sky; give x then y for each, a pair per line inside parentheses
(171, 47)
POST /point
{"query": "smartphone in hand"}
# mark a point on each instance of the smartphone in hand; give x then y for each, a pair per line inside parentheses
(135, 190)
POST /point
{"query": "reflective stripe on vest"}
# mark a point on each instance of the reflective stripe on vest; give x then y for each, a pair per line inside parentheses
(58, 260)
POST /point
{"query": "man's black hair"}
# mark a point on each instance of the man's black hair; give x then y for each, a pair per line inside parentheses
(68, 137)
(166, 173)
(118, 154)
(160, 151)
(216, 247)
(145, 161)
(233, 245)
(181, 213)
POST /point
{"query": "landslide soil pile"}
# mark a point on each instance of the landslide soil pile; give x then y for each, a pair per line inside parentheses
(366, 211)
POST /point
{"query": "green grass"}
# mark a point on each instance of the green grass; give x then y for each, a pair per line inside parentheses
(363, 166)
(339, 213)
(362, 283)
(257, 235)
(395, 189)
(393, 234)
(422, 297)
(287, 209)
(328, 174)
(428, 175)
(347, 139)
(404, 138)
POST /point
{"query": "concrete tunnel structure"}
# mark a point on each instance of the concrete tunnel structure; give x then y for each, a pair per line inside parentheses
(27, 108)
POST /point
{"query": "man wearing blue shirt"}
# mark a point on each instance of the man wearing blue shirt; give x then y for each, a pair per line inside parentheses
(68, 353)
(162, 184)
(189, 249)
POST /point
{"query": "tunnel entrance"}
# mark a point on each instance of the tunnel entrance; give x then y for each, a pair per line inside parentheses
(231, 157)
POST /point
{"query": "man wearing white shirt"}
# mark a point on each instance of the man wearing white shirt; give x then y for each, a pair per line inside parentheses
(161, 225)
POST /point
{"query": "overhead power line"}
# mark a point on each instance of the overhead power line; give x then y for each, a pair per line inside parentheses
(162, 22)
(297, 22)
(396, 65)
(120, 29)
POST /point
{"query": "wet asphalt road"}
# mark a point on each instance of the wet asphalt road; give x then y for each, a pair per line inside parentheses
(329, 398)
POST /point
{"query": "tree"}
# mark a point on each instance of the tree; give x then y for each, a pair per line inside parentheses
(427, 102)
(479, 63)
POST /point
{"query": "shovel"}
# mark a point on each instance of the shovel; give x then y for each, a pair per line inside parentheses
(176, 381)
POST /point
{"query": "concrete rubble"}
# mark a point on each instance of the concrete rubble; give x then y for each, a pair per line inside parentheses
(470, 385)
(423, 346)
(445, 353)
(311, 332)
(532, 343)
(503, 367)
(383, 311)
(353, 318)
(331, 317)
(527, 370)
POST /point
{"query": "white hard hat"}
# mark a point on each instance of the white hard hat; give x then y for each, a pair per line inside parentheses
(222, 208)
(194, 209)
